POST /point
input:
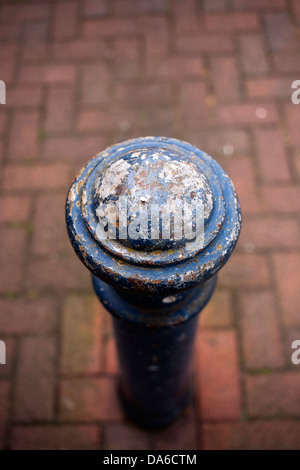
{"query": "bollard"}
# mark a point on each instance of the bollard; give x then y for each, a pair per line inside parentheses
(125, 212)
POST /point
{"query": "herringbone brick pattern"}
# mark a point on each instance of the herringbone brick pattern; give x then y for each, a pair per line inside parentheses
(81, 75)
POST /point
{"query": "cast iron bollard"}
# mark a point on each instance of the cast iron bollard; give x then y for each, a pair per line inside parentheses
(154, 287)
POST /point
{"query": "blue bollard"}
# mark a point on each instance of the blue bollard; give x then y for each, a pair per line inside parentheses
(153, 219)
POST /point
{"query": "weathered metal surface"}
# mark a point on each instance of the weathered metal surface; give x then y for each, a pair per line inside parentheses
(142, 170)
(153, 286)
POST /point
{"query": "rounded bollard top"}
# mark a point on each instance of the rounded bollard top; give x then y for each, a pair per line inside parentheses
(153, 215)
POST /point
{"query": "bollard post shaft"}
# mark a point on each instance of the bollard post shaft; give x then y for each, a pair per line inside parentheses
(154, 286)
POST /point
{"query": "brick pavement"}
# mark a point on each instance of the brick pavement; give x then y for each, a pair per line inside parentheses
(81, 75)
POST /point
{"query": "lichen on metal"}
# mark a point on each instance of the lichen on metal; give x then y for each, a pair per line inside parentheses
(152, 170)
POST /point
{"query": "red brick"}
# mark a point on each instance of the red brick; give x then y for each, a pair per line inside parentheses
(35, 30)
(81, 327)
(185, 15)
(57, 273)
(59, 109)
(217, 375)
(273, 395)
(124, 119)
(36, 177)
(174, 68)
(245, 271)
(127, 122)
(296, 9)
(226, 88)
(111, 357)
(47, 73)
(4, 409)
(95, 7)
(95, 84)
(34, 40)
(269, 88)
(8, 54)
(149, 94)
(217, 142)
(156, 121)
(23, 136)
(154, 104)
(258, 435)
(279, 30)
(35, 380)
(11, 258)
(23, 316)
(231, 21)
(205, 43)
(26, 12)
(155, 30)
(65, 20)
(258, 4)
(260, 331)
(193, 105)
(72, 148)
(34, 50)
(248, 113)
(6, 370)
(268, 233)
(126, 437)
(180, 435)
(1, 151)
(272, 155)
(10, 32)
(285, 63)
(296, 161)
(3, 120)
(90, 400)
(55, 437)
(241, 172)
(14, 208)
(94, 121)
(282, 199)
(292, 116)
(133, 7)
(218, 311)
(49, 228)
(126, 57)
(110, 27)
(287, 275)
(80, 49)
(216, 5)
(253, 56)
(20, 97)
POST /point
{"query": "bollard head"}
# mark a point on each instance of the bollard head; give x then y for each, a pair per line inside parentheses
(153, 215)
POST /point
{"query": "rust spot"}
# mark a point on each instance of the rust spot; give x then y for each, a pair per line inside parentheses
(120, 189)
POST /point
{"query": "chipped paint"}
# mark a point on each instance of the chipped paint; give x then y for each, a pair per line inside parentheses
(173, 166)
(113, 176)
